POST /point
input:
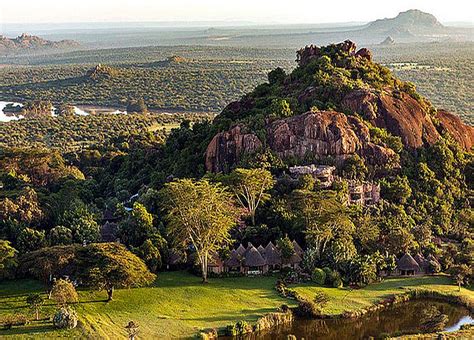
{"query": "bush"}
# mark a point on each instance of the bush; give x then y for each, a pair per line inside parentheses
(66, 317)
(318, 276)
(334, 279)
(243, 327)
(328, 272)
(308, 308)
(337, 283)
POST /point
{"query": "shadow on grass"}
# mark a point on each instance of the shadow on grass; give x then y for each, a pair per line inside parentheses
(28, 330)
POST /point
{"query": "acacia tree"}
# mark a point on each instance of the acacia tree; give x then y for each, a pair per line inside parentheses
(323, 217)
(107, 266)
(250, 187)
(200, 214)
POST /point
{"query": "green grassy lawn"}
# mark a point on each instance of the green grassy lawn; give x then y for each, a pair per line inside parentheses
(178, 305)
(345, 299)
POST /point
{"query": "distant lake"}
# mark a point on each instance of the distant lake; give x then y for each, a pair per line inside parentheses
(78, 110)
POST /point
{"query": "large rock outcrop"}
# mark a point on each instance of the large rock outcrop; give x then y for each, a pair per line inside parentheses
(403, 116)
(399, 113)
(226, 148)
(316, 134)
(453, 125)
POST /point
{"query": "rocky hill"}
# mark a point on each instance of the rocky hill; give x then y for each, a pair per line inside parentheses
(411, 21)
(335, 104)
(27, 42)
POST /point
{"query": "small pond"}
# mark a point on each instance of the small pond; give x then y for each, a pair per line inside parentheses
(404, 318)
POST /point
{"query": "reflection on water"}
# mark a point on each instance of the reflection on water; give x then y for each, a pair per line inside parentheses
(401, 318)
(77, 110)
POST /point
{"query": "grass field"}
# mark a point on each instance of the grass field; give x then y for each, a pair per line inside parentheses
(349, 300)
(178, 305)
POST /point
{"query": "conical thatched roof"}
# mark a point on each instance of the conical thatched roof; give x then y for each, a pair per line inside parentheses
(233, 260)
(407, 262)
(269, 245)
(272, 255)
(296, 258)
(261, 250)
(253, 258)
(298, 249)
(420, 259)
(241, 250)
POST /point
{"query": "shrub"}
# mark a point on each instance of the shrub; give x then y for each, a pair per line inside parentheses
(308, 308)
(63, 292)
(66, 317)
(335, 279)
(242, 327)
(328, 272)
(321, 299)
(318, 276)
(337, 283)
(231, 330)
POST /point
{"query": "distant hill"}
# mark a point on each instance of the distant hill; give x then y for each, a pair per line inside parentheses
(25, 43)
(412, 20)
(414, 25)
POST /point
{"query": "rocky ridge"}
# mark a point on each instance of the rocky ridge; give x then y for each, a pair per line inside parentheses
(396, 108)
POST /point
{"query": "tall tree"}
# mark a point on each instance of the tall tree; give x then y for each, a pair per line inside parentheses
(250, 187)
(200, 214)
(107, 266)
(323, 217)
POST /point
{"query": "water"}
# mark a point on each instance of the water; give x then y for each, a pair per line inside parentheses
(400, 318)
(77, 110)
(4, 117)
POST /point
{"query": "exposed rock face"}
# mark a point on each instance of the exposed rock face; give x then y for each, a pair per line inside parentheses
(364, 53)
(320, 134)
(452, 124)
(226, 148)
(324, 133)
(400, 114)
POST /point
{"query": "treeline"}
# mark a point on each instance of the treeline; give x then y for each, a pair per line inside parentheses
(71, 132)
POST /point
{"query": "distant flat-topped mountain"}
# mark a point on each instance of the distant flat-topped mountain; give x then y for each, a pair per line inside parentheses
(25, 43)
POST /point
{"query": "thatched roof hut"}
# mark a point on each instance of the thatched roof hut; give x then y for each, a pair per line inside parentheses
(294, 259)
(241, 250)
(298, 249)
(272, 255)
(420, 259)
(407, 262)
(261, 250)
(234, 260)
(253, 258)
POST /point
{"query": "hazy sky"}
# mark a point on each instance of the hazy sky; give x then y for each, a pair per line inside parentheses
(263, 11)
